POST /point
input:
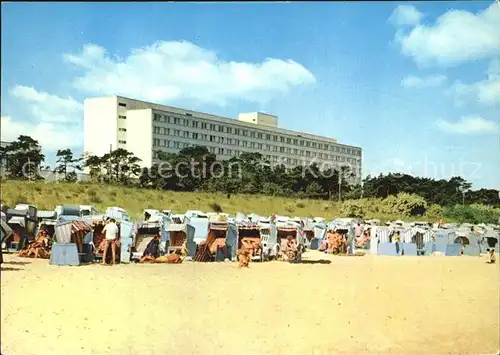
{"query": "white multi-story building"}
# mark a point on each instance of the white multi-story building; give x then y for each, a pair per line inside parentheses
(145, 128)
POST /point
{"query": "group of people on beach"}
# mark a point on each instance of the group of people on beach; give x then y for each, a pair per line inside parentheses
(111, 236)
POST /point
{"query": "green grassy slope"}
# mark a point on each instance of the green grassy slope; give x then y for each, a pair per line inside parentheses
(47, 195)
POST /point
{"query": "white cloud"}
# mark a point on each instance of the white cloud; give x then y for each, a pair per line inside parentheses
(485, 92)
(166, 71)
(50, 136)
(456, 36)
(54, 121)
(405, 15)
(468, 125)
(423, 82)
(47, 107)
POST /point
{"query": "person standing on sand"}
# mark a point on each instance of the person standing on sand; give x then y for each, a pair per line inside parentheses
(359, 230)
(358, 233)
(111, 234)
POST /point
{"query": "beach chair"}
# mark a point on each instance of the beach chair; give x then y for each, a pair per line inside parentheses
(453, 250)
(409, 249)
(180, 236)
(285, 229)
(140, 248)
(388, 249)
(143, 233)
(220, 243)
(126, 241)
(249, 238)
(471, 250)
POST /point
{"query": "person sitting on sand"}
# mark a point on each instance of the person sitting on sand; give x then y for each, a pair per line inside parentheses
(111, 235)
(291, 248)
(361, 241)
(175, 257)
(491, 249)
(243, 257)
(491, 256)
(152, 249)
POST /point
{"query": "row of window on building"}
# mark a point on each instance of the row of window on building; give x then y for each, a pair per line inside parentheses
(248, 133)
(252, 145)
(239, 142)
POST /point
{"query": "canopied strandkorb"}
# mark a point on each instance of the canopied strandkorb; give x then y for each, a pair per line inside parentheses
(17, 220)
(148, 225)
(64, 230)
(178, 228)
(249, 228)
(287, 228)
(46, 215)
(218, 226)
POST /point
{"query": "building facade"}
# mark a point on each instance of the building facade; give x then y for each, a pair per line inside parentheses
(145, 128)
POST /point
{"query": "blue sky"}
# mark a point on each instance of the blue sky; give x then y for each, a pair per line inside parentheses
(416, 85)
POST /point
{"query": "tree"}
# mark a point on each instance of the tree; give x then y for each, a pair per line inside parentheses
(120, 166)
(187, 170)
(190, 170)
(95, 164)
(442, 192)
(484, 196)
(67, 160)
(192, 166)
(23, 158)
(313, 190)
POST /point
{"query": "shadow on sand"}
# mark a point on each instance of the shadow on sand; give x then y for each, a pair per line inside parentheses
(322, 261)
(9, 269)
(17, 262)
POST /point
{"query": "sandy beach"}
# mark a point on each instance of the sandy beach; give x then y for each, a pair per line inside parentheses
(343, 305)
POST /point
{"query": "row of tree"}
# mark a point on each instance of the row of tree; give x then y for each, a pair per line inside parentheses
(23, 159)
(196, 169)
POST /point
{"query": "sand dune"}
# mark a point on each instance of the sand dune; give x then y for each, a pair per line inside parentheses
(376, 305)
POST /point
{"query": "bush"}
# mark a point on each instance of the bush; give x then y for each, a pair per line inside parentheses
(272, 189)
(71, 177)
(404, 204)
(216, 207)
(473, 214)
(95, 199)
(434, 211)
(400, 206)
(314, 190)
(300, 205)
(353, 209)
(301, 194)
